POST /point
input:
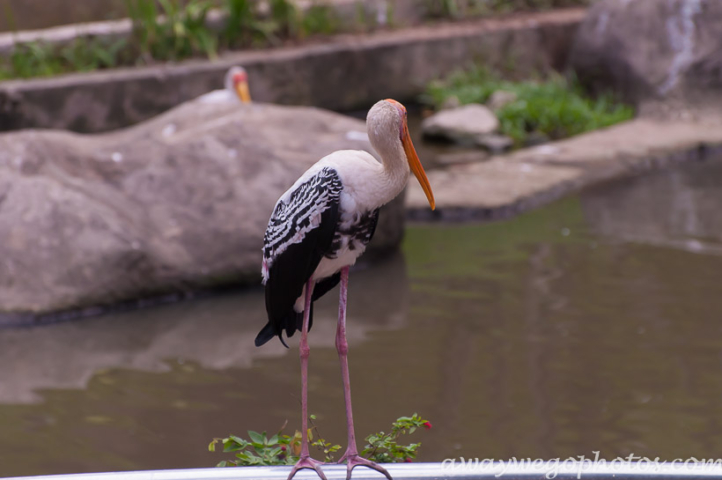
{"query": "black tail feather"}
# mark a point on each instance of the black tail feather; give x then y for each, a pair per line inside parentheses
(290, 324)
(266, 334)
(294, 320)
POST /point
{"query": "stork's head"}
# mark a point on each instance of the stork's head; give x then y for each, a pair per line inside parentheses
(388, 131)
(237, 82)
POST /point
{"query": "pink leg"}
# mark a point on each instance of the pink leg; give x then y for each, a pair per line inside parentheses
(305, 460)
(351, 456)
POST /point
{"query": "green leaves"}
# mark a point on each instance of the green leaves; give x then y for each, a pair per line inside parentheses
(470, 8)
(42, 59)
(174, 30)
(260, 450)
(555, 107)
(327, 449)
(384, 447)
(319, 19)
(282, 449)
(258, 439)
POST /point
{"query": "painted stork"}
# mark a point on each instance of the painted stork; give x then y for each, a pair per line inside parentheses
(318, 229)
(235, 88)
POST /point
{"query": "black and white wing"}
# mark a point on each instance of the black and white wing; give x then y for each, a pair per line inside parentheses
(300, 232)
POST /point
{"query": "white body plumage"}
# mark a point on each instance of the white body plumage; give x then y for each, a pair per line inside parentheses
(365, 188)
(325, 220)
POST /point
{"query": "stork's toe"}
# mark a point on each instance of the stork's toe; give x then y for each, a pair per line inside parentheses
(310, 463)
(354, 460)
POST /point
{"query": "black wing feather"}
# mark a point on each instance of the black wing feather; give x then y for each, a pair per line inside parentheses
(373, 223)
(291, 268)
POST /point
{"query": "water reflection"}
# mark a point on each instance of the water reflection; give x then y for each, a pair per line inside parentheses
(215, 333)
(577, 328)
(679, 208)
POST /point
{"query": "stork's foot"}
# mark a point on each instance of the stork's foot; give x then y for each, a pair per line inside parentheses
(353, 460)
(307, 462)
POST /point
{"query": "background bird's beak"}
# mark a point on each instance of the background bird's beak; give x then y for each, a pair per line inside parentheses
(242, 91)
(415, 165)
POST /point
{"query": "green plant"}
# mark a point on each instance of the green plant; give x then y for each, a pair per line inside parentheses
(286, 17)
(319, 19)
(174, 31)
(466, 8)
(41, 59)
(442, 8)
(31, 60)
(281, 449)
(244, 26)
(555, 107)
(92, 54)
(384, 447)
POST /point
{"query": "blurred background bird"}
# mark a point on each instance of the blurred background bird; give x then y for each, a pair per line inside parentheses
(235, 88)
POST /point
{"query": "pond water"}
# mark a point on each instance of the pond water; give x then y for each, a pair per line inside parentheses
(589, 325)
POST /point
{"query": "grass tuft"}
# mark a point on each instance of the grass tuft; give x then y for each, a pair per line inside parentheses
(320, 20)
(554, 107)
(468, 8)
(42, 60)
(172, 32)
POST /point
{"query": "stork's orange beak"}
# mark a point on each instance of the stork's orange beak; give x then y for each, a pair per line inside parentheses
(242, 91)
(416, 166)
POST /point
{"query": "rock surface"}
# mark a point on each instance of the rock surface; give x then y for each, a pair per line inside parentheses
(510, 184)
(653, 50)
(495, 143)
(178, 203)
(451, 103)
(500, 99)
(464, 124)
(465, 156)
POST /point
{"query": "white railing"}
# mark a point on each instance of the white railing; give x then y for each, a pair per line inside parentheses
(547, 470)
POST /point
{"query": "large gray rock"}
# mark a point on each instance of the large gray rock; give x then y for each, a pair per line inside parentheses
(653, 50)
(178, 203)
(501, 98)
(465, 124)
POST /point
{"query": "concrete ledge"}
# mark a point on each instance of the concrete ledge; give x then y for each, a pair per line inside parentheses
(111, 29)
(349, 72)
(511, 184)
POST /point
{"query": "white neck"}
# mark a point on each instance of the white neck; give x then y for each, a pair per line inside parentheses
(395, 174)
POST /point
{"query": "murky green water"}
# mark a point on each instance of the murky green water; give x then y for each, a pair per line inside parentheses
(593, 324)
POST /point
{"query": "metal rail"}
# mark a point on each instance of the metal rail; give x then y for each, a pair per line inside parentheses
(547, 470)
